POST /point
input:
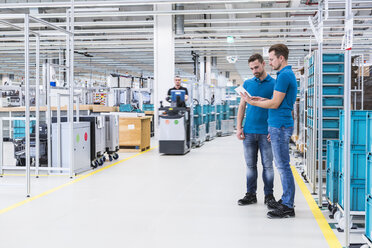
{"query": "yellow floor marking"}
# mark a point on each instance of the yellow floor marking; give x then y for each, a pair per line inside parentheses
(329, 235)
(4, 210)
(40, 175)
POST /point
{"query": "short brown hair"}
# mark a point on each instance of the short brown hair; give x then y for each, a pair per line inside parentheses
(255, 57)
(280, 50)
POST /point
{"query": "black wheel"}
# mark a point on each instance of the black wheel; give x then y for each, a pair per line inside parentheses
(104, 158)
(110, 158)
(116, 156)
(334, 210)
(96, 163)
(329, 206)
(100, 161)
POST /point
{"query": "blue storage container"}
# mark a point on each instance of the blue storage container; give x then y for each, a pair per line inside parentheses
(333, 90)
(311, 70)
(333, 101)
(19, 127)
(369, 132)
(357, 195)
(148, 107)
(333, 57)
(310, 80)
(333, 79)
(125, 108)
(331, 112)
(310, 92)
(333, 68)
(311, 60)
(310, 112)
(309, 122)
(330, 134)
(310, 102)
(358, 128)
(331, 124)
(369, 217)
(369, 175)
(358, 164)
(333, 172)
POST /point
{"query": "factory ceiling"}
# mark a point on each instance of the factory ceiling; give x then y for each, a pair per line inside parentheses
(117, 36)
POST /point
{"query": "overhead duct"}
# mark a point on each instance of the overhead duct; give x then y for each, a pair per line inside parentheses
(180, 21)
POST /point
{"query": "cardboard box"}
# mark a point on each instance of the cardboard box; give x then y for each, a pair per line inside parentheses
(134, 132)
(100, 108)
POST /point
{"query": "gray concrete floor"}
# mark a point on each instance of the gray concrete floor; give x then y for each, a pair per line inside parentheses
(154, 200)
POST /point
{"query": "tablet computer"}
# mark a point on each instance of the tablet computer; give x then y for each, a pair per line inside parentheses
(241, 89)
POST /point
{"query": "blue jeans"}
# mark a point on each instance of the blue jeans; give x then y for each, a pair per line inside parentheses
(280, 144)
(251, 144)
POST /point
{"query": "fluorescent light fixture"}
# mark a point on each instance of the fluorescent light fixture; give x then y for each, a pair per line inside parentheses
(230, 39)
(96, 9)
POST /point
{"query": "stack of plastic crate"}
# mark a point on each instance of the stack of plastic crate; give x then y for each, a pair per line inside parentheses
(368, 201)
(358, 159)
(333, 92)
(332, 97)
(19, 128)
(148, 107)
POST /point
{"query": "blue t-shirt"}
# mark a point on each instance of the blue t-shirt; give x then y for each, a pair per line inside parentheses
(285, 83)
(256, 117)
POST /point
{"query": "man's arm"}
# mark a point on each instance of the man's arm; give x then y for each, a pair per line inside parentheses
(240, 117)
(273, 103)
(186, 94)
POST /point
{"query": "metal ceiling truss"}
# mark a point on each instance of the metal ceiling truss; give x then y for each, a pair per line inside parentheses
(121, 40)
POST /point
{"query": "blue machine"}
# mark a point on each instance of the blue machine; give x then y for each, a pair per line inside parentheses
(177, 96)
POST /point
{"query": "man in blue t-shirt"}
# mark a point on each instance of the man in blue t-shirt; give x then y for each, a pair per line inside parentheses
(255, 133)
(280, 125)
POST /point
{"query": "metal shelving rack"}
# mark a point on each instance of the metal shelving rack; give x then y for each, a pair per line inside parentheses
(332, 102)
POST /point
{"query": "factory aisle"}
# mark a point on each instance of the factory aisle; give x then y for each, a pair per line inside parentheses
(161, 201)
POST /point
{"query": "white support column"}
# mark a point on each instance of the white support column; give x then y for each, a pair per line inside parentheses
(37, 100)
(320, 107)
(201, 70)
(207, 82)
(208, 70)
(27, 103)
(347, 115)
(71, 88)
(163, 57)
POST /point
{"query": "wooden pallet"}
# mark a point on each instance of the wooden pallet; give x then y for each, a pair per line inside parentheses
(133, 148)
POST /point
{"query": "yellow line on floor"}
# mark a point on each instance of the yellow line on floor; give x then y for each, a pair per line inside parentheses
(329, 235)
(34, 175)
(4, 210)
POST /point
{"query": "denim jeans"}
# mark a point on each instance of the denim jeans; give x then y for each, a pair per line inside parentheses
(251, 144)
(280, 145)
